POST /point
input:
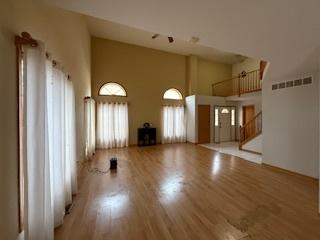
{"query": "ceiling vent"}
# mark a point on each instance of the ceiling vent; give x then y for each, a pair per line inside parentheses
(293, 83)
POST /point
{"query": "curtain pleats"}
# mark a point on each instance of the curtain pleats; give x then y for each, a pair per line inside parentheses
(112, 125)
(39, 215)
(173, 124)
(61, 109)
(89, 113)
(50, 140)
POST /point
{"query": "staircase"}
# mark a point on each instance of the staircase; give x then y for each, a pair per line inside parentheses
(246, 82)
(250, 130)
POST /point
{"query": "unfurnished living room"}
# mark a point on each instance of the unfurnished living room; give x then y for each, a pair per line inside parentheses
(167, 120)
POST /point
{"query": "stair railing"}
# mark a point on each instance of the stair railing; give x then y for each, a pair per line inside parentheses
(246, 82)
(251, 129)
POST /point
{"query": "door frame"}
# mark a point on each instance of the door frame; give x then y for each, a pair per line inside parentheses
(214, 120)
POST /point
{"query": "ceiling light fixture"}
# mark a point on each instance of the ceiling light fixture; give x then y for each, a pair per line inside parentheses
(170, 39)
(155, 36)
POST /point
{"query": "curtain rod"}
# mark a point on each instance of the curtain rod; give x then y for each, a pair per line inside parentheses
(26, 39)
(55, 63)
(173, 105)
(114, 103)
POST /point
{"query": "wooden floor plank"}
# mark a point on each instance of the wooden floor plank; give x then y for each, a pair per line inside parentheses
(184, 191)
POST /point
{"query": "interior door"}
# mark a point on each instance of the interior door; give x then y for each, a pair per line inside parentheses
(248, 112)
(203, 123)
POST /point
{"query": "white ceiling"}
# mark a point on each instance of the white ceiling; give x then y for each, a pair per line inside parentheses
(118, 32)
(286, 32)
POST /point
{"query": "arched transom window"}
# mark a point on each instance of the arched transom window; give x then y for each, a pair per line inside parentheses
(172, 93)
(112, 89)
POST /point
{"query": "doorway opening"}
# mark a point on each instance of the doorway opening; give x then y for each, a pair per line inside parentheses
(224, 124)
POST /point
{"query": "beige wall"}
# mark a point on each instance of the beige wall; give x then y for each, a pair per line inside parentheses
(248, 65)
(210, 72)
(145, 74)
(66, 37)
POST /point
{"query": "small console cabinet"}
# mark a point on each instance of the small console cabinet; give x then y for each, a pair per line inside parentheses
(147, 136)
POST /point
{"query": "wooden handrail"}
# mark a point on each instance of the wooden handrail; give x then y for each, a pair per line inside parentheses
(230, 79)
(250, 129)
(251, 120)
(244, 83)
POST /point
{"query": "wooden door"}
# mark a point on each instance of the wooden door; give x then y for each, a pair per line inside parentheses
(203, 123)
(248, 112)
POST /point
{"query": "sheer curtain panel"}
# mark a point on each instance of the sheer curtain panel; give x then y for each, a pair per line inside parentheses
(112, 125)
(62, 135)
(173, 124)
(38, 191)
(48, 142)
(89, 113)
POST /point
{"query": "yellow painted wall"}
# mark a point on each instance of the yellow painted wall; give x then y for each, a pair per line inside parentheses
(210, 72)
(66, 36)
(145, 73)
(248, 65)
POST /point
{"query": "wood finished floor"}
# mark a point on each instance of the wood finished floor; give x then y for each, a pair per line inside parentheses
(184, 191)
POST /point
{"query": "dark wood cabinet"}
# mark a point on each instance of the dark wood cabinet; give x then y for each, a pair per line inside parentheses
(147, 136)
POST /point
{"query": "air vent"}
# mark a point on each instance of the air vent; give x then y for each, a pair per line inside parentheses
(275, 86)
(293, 83)
(298, 82)
(282, 85)
(289, 84)
(307, 80)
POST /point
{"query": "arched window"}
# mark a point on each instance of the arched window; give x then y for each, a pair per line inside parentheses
(172, 93)
(112, 89)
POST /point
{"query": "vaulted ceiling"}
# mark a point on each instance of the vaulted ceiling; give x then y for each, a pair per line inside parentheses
(286, 32)
(119, 32)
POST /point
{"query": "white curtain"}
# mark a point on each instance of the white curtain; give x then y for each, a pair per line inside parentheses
(112, 125)
(49, 144)
(38, 202)
(173, 124)
(62, 154)
(89, 114)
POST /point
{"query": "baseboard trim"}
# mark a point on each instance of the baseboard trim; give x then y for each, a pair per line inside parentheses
(279, 169)
(249, 151)
(191, 143)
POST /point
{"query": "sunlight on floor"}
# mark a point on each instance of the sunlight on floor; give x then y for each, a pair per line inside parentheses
(232, 148)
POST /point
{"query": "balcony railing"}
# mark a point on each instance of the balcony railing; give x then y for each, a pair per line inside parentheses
(246, 82)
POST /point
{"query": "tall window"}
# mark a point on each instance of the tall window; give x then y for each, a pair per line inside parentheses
(47, 140)
(112, 125)
(173, 94)
(112, 89)
(173, 124)
(90, 128)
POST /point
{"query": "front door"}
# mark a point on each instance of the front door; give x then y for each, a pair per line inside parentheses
(224, 123)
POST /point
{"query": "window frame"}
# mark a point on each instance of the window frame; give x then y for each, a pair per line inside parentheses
(103, 95)
(170, 99)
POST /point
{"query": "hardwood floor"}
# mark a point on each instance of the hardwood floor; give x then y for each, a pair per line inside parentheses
(184, 191)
